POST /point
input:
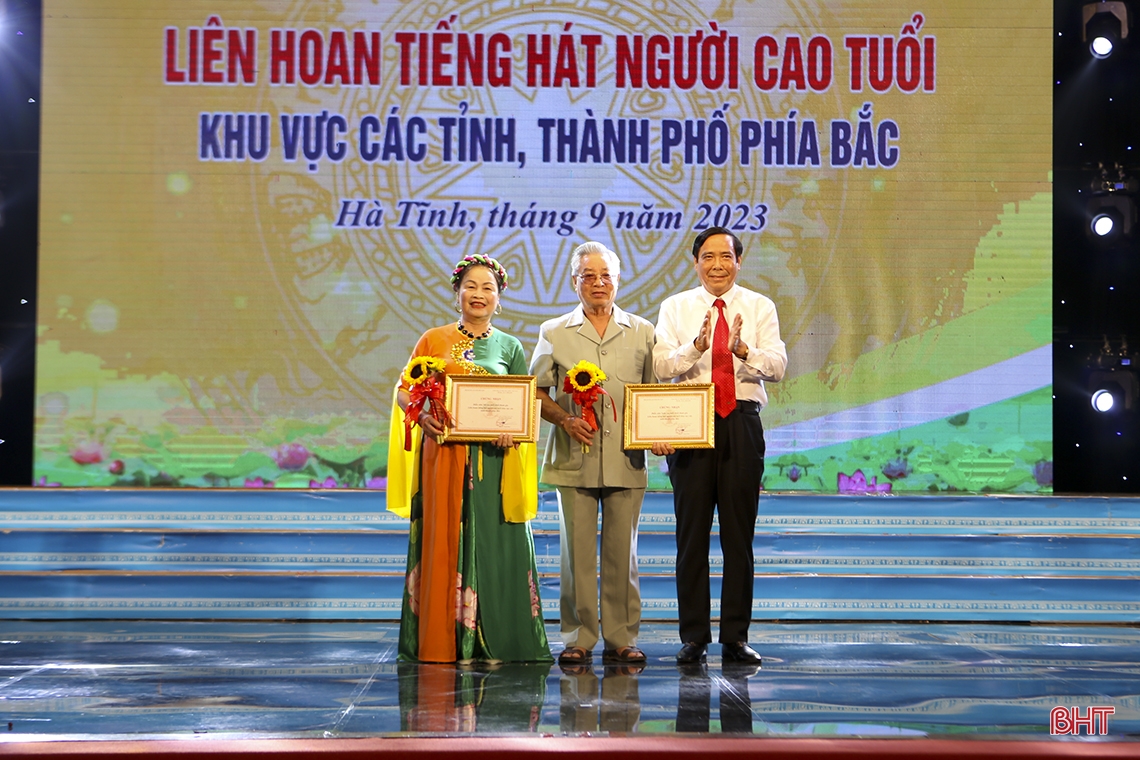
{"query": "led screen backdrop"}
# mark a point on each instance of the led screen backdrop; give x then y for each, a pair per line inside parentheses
(250, 212)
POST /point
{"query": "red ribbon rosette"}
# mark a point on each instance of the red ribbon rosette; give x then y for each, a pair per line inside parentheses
(584, 384)
(424, 376)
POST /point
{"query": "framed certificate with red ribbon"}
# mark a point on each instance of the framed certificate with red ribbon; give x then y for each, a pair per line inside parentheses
(484, 407)
(680, 414)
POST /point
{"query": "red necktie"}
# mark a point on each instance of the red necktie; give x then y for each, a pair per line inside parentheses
(723, 374)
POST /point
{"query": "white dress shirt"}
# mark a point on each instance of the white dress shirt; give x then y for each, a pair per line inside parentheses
(677, 360)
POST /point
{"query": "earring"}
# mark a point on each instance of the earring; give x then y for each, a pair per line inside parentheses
(457, 309)
(499, 308)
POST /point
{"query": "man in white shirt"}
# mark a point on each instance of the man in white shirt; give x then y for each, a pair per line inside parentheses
(727, 335)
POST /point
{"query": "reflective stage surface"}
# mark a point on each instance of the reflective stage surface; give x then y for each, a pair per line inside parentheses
(122, 680)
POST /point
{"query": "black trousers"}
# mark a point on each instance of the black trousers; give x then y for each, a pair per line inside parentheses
(694, 699)
(725, 479)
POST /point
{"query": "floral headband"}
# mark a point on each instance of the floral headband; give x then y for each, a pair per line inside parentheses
(482, 260)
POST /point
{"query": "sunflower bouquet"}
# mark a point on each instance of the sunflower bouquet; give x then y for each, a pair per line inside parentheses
(424, 376)
(584, 384)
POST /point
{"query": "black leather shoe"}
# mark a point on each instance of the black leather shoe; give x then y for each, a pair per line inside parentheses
(693, 669)
(691, 652)
(738, 651)
(733, 670)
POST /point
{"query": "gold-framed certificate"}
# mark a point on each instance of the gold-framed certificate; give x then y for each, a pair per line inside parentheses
(483, 407)
(680, 414)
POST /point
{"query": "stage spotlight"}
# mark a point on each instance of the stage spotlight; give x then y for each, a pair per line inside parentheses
(1111, 211)
(1104, 224)
(1102, 400)
(1113, 384)
(1101, 47)
(1104, 26)
(1113, 391)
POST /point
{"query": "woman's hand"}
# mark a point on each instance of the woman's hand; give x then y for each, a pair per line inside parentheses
(578, 429)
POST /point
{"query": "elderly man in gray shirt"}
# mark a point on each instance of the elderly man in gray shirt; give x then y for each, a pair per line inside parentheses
(590, 467)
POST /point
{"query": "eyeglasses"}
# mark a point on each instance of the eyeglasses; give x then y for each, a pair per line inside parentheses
(590, 277)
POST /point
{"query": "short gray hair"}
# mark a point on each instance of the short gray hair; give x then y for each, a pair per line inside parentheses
(584, 250)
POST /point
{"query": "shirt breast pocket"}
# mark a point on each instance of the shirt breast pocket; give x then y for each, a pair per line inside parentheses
(631, 364)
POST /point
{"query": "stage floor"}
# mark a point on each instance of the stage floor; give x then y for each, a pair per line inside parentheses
(114, 680)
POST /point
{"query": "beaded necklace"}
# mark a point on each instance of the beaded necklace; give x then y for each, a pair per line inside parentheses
(469, 334)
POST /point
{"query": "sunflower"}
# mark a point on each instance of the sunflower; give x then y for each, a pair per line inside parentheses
(583, 376)
(420, 368)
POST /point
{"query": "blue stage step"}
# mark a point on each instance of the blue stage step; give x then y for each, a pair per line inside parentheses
(385, 551)
(340, 555)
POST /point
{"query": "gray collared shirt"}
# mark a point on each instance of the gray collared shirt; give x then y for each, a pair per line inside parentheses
(625, 354)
